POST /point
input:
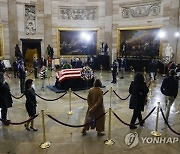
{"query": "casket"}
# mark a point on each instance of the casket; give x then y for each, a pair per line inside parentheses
(71, 78)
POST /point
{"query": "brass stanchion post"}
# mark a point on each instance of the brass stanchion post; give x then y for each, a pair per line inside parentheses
(101, 70)
(131, 71)
(157, 74)
(150, 87)
(70, 111)
(109, 141)
(155, 132)
(45, 144)
(144, 68)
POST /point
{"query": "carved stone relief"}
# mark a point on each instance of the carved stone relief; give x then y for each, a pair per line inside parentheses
(141, 10)
(69, 13)
(30, 19)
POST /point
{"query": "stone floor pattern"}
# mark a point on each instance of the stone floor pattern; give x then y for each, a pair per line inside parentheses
(14, 139)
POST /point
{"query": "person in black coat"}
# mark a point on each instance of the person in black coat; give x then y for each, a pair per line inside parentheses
(22, 75)
(153, 70)
(114, 72)
(5, 99)
(2, 66)
(43, 62)
(35, 67)
(138, 90)
(169, 88)
(15, 68)
(31, 103)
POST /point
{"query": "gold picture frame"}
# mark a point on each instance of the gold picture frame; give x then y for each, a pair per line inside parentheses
(119, 31)
(59, 30)
(1, 42)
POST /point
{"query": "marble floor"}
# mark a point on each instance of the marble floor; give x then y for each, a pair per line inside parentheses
(14, 139)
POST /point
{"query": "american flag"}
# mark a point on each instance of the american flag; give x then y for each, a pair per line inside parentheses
(69, 74)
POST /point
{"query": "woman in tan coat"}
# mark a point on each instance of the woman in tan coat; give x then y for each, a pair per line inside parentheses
(95, 109)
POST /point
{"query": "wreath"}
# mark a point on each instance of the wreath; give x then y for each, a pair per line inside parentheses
(87, 73)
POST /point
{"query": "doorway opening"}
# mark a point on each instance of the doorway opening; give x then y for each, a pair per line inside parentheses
(31, 48)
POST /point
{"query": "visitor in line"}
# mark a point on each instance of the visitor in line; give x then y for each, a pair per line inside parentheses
(95, 109)
(5, 99)
(114, 72)
(30, 104)
(169, 88)
(138, 90)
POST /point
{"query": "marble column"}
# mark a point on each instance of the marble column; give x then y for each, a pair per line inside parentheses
(47, 25)
(108, 25)
(13, 28)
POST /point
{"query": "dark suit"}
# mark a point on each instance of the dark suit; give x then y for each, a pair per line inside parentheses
(30, 102)
(114, 72)
(138, 93)
(22, 76)
(5, 99)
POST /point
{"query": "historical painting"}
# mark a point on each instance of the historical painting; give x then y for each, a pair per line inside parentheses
(1, 41)
(139, 42)
(77, 42)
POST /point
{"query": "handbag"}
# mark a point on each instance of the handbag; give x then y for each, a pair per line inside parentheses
(92, 122)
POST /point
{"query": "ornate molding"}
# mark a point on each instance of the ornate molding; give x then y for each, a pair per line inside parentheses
(30, 20)
(79, 13)
(152, 9)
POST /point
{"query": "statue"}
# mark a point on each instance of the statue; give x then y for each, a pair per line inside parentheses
(169, 53)
(18, 53)
(50, 51)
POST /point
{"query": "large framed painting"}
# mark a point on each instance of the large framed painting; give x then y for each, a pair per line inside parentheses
(141, 42)
(1, 42)
(81, 42)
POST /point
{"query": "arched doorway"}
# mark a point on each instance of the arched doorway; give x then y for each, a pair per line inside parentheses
(31, 48)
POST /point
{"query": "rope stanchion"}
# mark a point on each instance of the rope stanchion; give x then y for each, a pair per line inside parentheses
(86, 98)
(45, 144)
(73, 126)
(8, 76)
(70, 111)
(136, 123)
(105, 92)
(17, 97)
(144, 68)
(150, 87)
(132, 71)
(120, 97)
(79, 96)
(168, 123)
(155, 132)
(20, 123)
(29, 73)
(109, 141)
(101, 68)
(51, 99)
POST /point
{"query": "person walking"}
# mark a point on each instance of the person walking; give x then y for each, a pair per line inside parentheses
(153, 70)
(5, 99)
(114, 72)
(138, 90)
(35, 67)
(43, 76)
(122, 67)
(22, 75)
(15, 68)
(31, 104)
(95, 109)
(169, 88)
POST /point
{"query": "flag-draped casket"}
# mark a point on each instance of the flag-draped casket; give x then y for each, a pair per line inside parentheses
(72, 78)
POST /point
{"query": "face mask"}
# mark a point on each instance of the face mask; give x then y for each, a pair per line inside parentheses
(33, 86)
